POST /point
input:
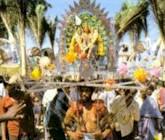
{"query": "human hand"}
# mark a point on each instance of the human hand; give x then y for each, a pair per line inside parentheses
(97, 134)
(76, 135)
(13, 111)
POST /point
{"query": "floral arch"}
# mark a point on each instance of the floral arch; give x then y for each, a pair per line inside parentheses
(86, 18)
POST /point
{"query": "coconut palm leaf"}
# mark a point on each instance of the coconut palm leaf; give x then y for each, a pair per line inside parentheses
(130, 17)
(38, 24)
(52, 30)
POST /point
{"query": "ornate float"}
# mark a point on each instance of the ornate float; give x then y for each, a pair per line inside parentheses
(86, 37)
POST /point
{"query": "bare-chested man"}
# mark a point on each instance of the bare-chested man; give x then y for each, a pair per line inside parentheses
(87, 118)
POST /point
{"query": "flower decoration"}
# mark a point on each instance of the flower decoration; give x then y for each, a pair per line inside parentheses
(155, 72)
(36, 74)
(122, 70)
(140, 75)
(72, 32)
(71, 57)
(110, 82)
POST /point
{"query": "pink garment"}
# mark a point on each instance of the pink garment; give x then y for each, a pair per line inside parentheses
(155, 72)
(162, 98)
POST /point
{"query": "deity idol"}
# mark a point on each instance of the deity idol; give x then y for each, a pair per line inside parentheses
(83, 42)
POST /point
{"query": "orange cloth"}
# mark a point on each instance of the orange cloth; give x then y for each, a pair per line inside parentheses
(13, 126)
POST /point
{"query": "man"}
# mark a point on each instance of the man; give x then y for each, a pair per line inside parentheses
(55, 114)
(125, 115)
(161, 104)
(12, 113)
(86, 119)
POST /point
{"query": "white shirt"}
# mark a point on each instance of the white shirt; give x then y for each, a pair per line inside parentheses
(2, 90)
(124, 116)
(138, 98)
(48, 96)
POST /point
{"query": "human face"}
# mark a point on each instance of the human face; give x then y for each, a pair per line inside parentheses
(85, 96)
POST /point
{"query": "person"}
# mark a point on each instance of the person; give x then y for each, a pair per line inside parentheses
(124, 54)
(48, 96)
(83, 118)
(35, 56)
(2, 87)
(55, 114)
(149, 124)
(12, 113)
(161, 103)
(84, 40)
(125, 115)
(18, 128)
(37, 110)
(3, 93)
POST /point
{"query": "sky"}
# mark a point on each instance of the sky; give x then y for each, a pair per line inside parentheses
(112, 6)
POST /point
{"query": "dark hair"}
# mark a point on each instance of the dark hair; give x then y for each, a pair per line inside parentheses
(125, 48)
(14, 91)
(58, 79)
(86, 89)
(2, 80)
(161, 83)
(60, 90)
(151, 87)
(46, 53)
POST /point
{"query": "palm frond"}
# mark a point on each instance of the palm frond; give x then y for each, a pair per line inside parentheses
(52, 30)
(38, 24)
(131, 15)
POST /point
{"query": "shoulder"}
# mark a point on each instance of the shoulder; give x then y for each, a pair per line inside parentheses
(7, 101)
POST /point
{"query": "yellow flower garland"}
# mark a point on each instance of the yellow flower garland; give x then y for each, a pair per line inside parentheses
(140, 74)
(36, 74)
(71, 57)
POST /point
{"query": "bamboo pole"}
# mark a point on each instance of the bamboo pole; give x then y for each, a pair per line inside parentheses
(51, 85)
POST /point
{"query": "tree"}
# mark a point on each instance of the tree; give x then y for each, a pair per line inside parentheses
(132, 19)
(2, 32)
(137, 16)
(14, 17)
(52, 31)
(38, 24)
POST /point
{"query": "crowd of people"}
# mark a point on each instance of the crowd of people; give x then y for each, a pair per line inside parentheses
(120, 114)
(81, 112)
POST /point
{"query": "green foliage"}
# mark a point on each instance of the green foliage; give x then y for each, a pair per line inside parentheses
(132, 17)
